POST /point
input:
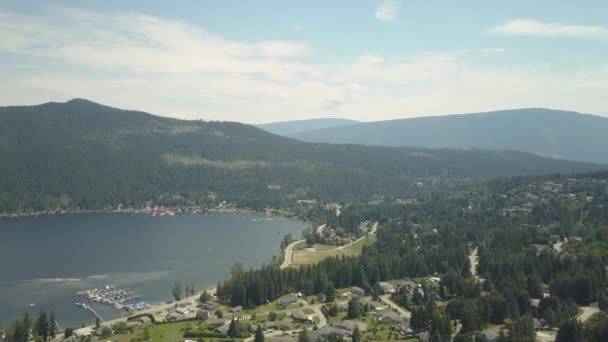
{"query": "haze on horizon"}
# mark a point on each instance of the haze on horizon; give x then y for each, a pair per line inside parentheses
(264, 61)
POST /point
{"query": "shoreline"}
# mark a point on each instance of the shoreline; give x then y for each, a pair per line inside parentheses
(270, 212)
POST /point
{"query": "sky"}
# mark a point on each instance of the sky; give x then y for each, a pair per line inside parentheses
(263, 61)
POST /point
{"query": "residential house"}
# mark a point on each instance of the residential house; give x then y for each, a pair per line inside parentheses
(423, 336)
(405, 330)
(223, 329)
(299, 315)
(391, 318)
(182, 311)
(286, 301)
(357, 290)
(215, 321)
(350, 326)
(489, 336)
(386, 287)
(286, 323)
(209, 305)
(236, 309)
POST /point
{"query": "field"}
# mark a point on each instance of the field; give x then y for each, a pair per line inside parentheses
(308, 258)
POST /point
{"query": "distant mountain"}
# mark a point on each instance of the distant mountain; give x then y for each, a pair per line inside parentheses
(286, 128)
(551, 133)
(82, 155)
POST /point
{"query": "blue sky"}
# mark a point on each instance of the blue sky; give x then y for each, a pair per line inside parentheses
(261, 61)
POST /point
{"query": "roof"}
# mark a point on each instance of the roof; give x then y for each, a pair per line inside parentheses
(300, 315)
(223, 329)
(489, 335)
(393, 316)
(350, 325)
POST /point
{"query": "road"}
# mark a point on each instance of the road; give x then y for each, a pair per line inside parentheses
(289, 253)
(320, 229)
(404, 313)
(316, 308)
(473, 261)
(588, 311)
(373, 231)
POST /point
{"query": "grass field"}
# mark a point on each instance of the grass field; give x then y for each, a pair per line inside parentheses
(308, 258)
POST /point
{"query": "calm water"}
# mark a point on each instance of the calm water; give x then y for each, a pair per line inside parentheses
(46, 260)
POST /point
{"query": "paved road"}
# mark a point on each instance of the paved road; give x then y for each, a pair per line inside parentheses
(373, 231)
(316, 308)
(587, 312)
(289, 253)
(473, 260)
(387, 300)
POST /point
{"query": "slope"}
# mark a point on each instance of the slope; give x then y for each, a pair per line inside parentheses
(298, 126)
(551, 133)
(84, 155)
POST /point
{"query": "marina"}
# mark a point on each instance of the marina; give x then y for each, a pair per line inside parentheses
(112, 296)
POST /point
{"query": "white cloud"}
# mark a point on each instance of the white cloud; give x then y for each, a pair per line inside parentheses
(387, 11)
(174, 68)
(527, 27)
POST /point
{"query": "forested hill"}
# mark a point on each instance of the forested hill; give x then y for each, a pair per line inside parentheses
(551, 133)
(84, 155)
(299, 126)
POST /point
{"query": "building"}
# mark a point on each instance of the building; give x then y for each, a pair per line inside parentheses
(386, 287)
(83, 332)
(376, 306)
(223, 329)
(350, 326)
(210, 305)
(236, 309)
(489, 336)
(405, 330)
(286, 301)
(182, 311)
(391, 318)
(299, 315)
(357, 290)
(215, 321)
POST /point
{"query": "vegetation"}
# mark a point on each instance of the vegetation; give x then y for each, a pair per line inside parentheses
(97, 157)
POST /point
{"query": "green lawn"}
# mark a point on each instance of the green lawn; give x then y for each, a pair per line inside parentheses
(307, 258)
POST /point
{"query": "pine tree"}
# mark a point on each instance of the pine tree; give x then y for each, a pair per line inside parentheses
(233, 329)
(330, 293)
(42, 326)
(356, 334)
(303, 336)
(52, 325)
(177, 290)
(259, 335)
(354, 308)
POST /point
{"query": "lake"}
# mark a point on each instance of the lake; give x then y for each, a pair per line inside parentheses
(45, 260)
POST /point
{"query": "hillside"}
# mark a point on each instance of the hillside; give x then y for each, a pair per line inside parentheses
(299, 126)
(84, 155)
(550, 133)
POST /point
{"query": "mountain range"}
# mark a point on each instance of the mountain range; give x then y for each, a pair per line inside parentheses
(83, 155)
(545, 132)
(295, 127)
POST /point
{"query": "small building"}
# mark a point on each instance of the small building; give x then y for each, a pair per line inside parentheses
(286, 323)
(386, 287)
(391, 318)
(299, 315)
(423, 336)
(236, 309)
(83, 332)
(134, 325)
(489, 336)
(357, 290)
(268, 325)
(405, 330)
(286, 301)
(145, 320)
(215, 321)
(223, 329)
(182, 311)
(377, 306)
(173, 317)
(554, 238)
(210, 305)
(341, 306)
(350, 326)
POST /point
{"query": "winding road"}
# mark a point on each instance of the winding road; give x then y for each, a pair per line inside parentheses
(287, 255)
